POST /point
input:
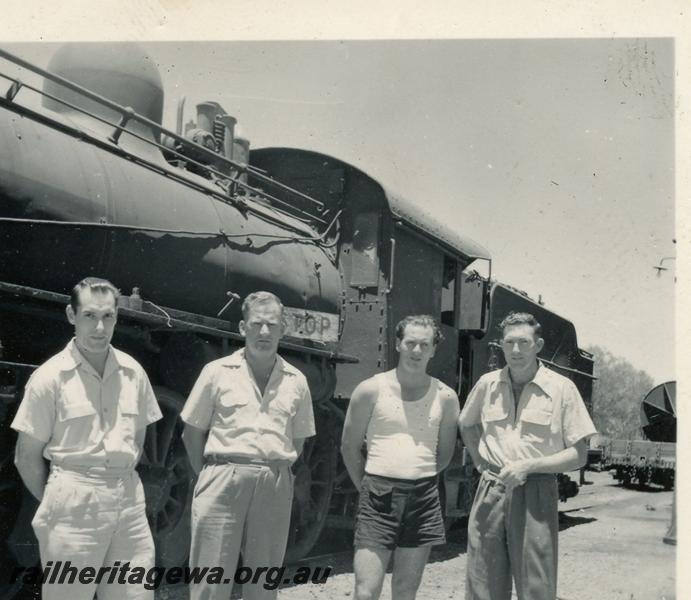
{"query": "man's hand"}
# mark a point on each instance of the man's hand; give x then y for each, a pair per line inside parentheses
(481, 467)
(514, 474)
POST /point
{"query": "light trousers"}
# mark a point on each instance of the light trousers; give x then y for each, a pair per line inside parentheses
(240, 507)
(513, 536)
(93, 519)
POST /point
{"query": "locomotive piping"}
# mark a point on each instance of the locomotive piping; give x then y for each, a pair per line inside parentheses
(143, 120)
(170, 231)
(114, 147)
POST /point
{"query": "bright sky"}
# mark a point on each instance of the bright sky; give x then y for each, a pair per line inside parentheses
(556, 155)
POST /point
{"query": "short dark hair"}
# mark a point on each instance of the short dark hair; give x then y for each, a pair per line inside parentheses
(520, 318)
(421, 321)
(95, 284)
(259, 298)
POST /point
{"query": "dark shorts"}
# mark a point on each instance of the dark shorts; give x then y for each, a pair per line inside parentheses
(402, 513)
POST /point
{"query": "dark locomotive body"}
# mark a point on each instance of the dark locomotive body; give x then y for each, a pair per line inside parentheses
(193, 228)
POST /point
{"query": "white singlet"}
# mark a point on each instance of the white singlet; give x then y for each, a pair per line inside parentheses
(402, 436)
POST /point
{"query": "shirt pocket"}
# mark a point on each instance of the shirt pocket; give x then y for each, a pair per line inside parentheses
(76, 421)
(283, 408)
(493, 416)
(128, 400)
(536, 424)
(74, 409)
(230, 408)
(286, 404)
(73, 405)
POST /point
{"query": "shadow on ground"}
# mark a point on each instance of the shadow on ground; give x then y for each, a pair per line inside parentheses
(567, 521)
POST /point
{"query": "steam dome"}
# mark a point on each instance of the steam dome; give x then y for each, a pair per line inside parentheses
(121, 72)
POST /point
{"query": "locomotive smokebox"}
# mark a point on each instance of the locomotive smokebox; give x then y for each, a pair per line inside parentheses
(121, 72)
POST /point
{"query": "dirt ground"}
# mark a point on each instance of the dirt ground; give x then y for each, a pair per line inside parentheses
(610, 548)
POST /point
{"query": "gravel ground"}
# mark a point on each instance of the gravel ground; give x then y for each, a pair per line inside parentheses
(610, 548)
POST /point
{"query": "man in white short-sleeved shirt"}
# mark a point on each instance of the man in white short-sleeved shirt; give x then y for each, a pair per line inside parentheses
(521, 424)
(86, 410)
(245, 423)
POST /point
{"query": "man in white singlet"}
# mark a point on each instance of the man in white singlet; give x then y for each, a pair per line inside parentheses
(408, 419)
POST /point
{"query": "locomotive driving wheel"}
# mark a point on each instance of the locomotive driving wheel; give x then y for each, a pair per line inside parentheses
(168, 482)
(314, 472)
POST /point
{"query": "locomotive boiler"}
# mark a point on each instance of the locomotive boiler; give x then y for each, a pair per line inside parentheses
(186, 224)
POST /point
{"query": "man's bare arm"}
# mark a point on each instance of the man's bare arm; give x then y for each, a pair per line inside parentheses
(355, 429)
(140, 439)
(28, 458)
(470, 424)
(569, 459)
(447, 430)
(471, 439)
(194, 440)
(299, 444)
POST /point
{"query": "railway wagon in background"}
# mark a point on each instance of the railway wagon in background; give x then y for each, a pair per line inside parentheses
(652, 460)
(187, 223)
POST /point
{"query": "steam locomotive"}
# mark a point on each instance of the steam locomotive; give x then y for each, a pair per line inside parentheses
(187, 222)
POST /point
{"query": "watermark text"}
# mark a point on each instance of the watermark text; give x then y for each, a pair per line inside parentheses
(270, 578)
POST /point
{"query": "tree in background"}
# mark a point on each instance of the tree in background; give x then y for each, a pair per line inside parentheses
(617, 395)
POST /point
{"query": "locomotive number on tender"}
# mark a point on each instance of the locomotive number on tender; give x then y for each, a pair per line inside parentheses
(310, 324)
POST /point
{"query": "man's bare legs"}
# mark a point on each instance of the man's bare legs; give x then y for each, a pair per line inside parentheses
(370, 565)
(408, 566)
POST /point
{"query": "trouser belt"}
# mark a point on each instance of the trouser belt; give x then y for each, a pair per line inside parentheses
(224, 459)
(95, 471)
